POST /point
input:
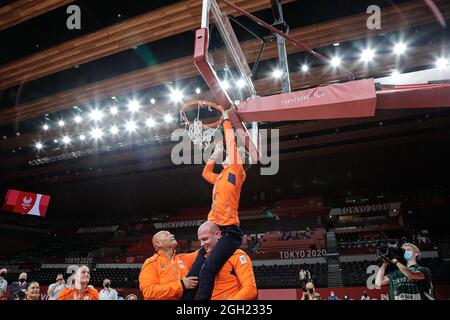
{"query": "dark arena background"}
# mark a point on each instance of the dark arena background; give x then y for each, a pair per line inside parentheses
(86, 117)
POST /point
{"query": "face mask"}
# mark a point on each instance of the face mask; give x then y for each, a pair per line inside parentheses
(3, 274)
(22, 280)
(107, 285)
(332, 294)
(311, 290)
(408, 255)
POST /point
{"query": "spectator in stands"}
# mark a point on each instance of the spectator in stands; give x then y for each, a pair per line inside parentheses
(119, 295)
(163, 276)
(289, 236)
(71, 280)
(32, 291)
(309, 293)
(384, 297)
(108, 293)
(55, 288)
(235, 280)
(308, 276)
(81, 291)
(131, 297)
(3, 283)
(302, 276)
(332, 296)
(21, 285)
(365, 296)
(410, 282)
(346, 297)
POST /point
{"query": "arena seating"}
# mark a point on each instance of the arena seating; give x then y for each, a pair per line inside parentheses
(287, 276)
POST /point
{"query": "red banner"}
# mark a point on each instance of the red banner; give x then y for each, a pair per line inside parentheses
(26, 203)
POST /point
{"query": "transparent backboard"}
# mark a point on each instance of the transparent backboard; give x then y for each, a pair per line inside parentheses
(224, 66)
(224, 54)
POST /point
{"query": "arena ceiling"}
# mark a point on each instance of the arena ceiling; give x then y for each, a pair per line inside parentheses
(140, 49)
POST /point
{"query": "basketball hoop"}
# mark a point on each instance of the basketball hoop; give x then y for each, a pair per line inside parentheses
(201, 131)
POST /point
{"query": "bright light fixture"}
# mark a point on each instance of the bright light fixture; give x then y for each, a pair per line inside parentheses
(305, 68)
(176, 95)
(96, 115)
(78, 119)
(240, 83)
(197, 91)
(130, 126)
(152, 101)
(114, 110)
(96, 133)
(277, 73)
(399, 48)
(150, 122)
(168, 118)
(114, 130)
(82, 137)
(45, 127)
(61, 123)
(367, 55)
(335, 62)
(66, 139)
(134, 106)
(39, 146)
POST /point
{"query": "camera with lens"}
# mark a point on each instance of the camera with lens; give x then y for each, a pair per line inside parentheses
(390, 251)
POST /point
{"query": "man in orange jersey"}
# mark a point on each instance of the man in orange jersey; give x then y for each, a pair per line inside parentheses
(224, 211)
(235, 280)
(163, 276)
(81, 291)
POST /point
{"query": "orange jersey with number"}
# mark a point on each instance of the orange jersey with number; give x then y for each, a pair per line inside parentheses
(160, 277)
(75, 294)
(227, 184)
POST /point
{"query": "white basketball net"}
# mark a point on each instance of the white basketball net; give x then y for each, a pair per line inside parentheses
(200, 134)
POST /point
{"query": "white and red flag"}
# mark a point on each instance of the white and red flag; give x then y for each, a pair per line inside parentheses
(22, 202)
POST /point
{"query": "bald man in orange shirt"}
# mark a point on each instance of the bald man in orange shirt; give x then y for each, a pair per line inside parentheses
(163, 276)
(235, 280)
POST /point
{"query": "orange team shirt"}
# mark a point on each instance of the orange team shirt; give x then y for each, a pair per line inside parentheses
(235, 280)
(227, 184)
(160, 277)
(75, 294)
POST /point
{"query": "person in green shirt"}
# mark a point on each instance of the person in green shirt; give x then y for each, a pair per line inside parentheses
(410, 282)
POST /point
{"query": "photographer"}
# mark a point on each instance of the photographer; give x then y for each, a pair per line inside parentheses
(410, 282)
(309, 292)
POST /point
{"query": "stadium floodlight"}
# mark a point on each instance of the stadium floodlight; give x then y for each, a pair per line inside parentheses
(96, 133)
(176, 95)
(134, 106)
(400, 48)
(335, 62)
(168, 118)
(114, 130)
(131, 126)
(150, 123)
(96, 115)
